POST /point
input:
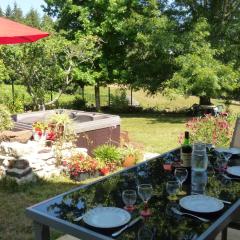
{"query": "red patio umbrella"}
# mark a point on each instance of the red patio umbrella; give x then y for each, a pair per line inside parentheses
(13, 32)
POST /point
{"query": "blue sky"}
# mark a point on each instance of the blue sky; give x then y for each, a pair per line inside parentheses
(25, 5)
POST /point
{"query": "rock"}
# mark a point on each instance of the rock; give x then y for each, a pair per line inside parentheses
(19, 164)
(17, 149)
(20, 136)
(18, 173)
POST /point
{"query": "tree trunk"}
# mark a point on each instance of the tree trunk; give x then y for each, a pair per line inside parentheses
(83, 93)
(109, 96)
(97, 97)
(13, 93)
(204, 100)
(131, 97)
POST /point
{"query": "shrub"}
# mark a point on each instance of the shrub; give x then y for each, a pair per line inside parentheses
(78, 103)
(209, 129)
(119, 101)
(5, 118)
(14, 107)
(80, 163)
(108, 155)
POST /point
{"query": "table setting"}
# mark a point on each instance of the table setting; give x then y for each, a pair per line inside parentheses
(150, 201)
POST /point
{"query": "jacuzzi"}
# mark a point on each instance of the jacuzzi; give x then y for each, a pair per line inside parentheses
(92, 128)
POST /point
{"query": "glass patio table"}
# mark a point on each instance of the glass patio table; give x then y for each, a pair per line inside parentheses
(59, 212)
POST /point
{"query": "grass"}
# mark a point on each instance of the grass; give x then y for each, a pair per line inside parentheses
(157, 132)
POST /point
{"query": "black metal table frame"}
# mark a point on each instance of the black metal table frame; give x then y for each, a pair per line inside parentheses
(42, 222)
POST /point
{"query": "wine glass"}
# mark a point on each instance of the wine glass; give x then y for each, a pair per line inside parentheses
(145, 192)
(181, 175)
(172, 187)
(222, 161)
(129, 198)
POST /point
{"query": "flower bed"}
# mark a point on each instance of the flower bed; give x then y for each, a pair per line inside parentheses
(210, 129)
(79, 167)
(107, 158)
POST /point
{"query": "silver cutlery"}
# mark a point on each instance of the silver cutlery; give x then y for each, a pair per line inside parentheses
(175, 210)
(230, 178)
(79, 218)
(131, 223)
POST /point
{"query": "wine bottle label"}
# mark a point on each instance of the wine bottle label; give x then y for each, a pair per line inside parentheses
(186, 159)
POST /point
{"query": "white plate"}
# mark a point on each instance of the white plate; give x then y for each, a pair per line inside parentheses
(201, 204)
(234, 151)
(235, 171)
(106, 217)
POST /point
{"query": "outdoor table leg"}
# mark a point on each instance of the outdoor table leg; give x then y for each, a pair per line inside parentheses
(41, 231)
(224, 234)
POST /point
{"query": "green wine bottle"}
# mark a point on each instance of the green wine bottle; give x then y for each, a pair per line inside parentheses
(186, 151)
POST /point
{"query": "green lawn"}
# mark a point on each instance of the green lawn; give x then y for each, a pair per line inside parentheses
(158, 133)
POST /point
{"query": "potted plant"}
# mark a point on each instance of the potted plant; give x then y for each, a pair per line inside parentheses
(80, 167)
(39, 130)
(109, 158)
(59, 123)
(130, 156)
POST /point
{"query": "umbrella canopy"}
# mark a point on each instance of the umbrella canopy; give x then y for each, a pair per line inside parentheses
(12, 32)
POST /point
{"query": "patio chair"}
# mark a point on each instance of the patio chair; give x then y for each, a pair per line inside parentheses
(236, 135)
(234, 143)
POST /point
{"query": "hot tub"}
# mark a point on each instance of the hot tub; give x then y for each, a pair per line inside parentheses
(92, 128)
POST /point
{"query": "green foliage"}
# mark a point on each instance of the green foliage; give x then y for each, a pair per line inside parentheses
(78, 103)
(5, 118)
(108, 154)
(3, 71)
(16, 106)
(200, 73)
(48, 65)
(60, 119)
(119, 101)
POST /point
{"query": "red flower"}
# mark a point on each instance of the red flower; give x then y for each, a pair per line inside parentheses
(51, 136)
(104, 171)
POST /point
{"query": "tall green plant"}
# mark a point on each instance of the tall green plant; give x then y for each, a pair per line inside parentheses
(5, 118)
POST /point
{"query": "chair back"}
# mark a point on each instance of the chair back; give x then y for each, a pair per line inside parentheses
(236, 135)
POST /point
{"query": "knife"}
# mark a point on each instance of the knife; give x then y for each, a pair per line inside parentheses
(134, 221)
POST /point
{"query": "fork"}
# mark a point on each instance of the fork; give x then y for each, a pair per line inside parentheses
(175, 210)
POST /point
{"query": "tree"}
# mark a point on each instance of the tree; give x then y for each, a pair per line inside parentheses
(48, 64)
(32, 18)
(223, 18)
(8, 11)
(200, 73)
(149, 57)
(1, 12)
(17, 13)
(3, 71)
(114, 23)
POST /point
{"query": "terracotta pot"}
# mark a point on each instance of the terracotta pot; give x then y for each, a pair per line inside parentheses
(104, 171)
(129, 161)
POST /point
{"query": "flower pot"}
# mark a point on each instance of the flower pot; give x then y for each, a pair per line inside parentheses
(129, 161)
(104, 171)
(84, 176)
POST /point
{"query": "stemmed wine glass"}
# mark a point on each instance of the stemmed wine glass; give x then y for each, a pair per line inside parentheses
(181, 175)
(129, 198)
(145, 192)
(222, 161)
(171, 188)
